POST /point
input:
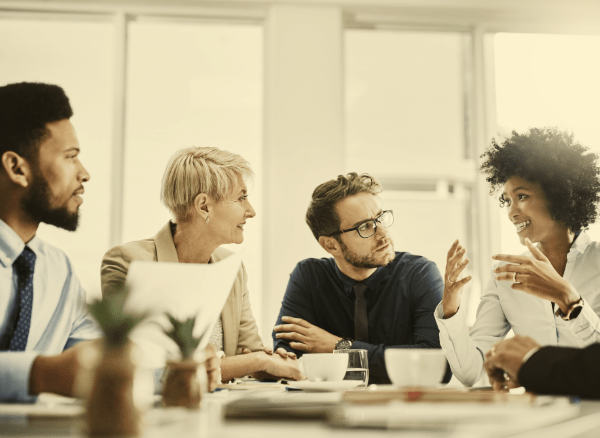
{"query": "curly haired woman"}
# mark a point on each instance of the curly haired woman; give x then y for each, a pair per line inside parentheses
(549, 184)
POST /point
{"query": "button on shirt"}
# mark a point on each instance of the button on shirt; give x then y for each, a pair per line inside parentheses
(502, 308)
(59, 317)
(401, 299)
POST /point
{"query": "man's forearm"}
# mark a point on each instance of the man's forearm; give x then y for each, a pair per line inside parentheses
(51, 374)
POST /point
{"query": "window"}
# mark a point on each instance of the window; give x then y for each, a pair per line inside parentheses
(192, 84)
(547, 80)
(78, 56)
(406, 123)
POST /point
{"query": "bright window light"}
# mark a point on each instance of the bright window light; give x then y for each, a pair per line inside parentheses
(78, 56)
(547, 80)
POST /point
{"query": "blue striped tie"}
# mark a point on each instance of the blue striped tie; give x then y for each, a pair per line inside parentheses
(24, 266)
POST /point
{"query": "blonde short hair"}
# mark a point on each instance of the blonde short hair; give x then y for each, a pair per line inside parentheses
(196, 170)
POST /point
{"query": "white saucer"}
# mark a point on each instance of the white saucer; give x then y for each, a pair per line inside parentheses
(341, 385)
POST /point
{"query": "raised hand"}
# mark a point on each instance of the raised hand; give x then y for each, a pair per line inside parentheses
(455, 264)
(536, 276)
(306, 337)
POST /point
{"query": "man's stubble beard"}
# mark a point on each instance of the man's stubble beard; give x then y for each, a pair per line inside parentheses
(37, 204)
(365, 261)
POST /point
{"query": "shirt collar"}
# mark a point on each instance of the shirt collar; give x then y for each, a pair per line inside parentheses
(582, 241)
(11, 245)
(348, 283)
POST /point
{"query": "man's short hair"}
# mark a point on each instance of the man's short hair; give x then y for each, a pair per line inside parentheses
(25, 109)
(321, 216)
(196, 170)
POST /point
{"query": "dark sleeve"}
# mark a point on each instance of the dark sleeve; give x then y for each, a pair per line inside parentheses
(564, 371)
(426, 289)
(296, 303)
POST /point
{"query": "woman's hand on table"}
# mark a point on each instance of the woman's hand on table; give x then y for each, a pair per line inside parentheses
(280, 351)
(213, 367)
(276, 366)
(504, 360)
(536, 276)
(455, 264)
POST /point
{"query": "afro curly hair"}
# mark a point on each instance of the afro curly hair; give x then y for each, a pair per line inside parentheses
(25, 109)
(566, 170)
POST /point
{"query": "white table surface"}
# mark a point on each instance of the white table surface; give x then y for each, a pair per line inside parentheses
(57, 417)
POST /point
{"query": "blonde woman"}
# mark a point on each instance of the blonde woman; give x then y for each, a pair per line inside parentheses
(205, 190)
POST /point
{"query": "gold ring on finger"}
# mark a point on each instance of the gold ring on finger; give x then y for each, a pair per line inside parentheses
(450, 281)
(515, 277)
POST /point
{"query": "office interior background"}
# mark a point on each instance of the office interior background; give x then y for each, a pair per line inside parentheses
(410, 91)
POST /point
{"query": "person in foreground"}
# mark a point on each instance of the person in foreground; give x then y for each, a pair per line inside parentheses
(367, 296)
(521, 361)
(205, 190)
(550, 187)
(42, 304)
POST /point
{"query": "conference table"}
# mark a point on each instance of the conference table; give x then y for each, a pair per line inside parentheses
(269, 410)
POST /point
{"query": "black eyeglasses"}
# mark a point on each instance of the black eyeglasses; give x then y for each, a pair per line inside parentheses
(368, 228)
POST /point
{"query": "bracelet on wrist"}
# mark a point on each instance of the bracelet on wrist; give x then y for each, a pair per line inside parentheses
(529, 354)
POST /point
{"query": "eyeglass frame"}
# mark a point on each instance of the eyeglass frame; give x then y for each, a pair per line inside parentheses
(375, 221)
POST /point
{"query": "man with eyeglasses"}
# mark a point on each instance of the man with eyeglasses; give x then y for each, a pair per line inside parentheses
(367, 296)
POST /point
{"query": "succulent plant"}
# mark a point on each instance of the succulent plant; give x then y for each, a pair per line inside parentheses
(182, 334)
(113, 320)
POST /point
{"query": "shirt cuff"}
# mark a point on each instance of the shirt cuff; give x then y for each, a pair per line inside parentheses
(456, 322)
(587, 323)
(15, 370)
(529, 354)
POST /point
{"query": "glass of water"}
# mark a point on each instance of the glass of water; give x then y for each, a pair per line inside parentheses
(358, 365)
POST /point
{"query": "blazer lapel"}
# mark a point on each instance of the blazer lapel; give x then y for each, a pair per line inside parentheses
(230, 316)
(166, 252)
(165, 247)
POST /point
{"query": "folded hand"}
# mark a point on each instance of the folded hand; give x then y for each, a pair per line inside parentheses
(306, 337)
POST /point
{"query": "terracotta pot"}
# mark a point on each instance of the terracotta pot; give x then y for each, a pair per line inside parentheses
(110, 407)
(182, 387)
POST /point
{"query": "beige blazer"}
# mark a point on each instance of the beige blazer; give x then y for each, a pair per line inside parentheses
(239, 326)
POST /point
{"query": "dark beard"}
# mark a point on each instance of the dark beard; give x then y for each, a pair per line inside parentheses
(37, 205)
(366, 262)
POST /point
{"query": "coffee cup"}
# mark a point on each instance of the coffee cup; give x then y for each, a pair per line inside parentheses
(415, 366)
(324, 367)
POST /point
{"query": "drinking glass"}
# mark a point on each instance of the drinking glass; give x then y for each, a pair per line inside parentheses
(358, 365)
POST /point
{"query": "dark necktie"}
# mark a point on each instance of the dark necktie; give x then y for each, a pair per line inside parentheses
(24, 266)
(361, 322)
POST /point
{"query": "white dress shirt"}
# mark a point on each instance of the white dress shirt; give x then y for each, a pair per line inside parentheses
(59, 318)
(503, 308)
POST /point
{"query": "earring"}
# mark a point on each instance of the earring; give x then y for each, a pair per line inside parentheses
(207, 220)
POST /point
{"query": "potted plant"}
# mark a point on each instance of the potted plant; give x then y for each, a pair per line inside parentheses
(181, 385)
(110, 408)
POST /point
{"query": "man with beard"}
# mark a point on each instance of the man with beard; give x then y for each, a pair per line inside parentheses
(42, 304)
(367, 296)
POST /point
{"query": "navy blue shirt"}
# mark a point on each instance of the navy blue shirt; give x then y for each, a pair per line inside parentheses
(401, 298)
